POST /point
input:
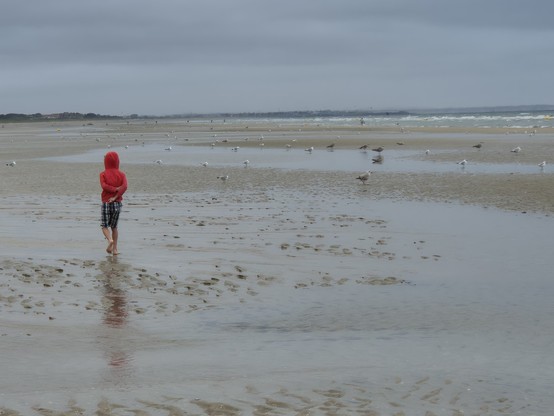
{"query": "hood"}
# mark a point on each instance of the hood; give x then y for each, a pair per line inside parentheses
(111, 160)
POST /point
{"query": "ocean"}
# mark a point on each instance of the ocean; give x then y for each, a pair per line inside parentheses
(479, 119)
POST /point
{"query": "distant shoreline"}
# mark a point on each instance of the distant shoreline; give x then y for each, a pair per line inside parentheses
(65, 116)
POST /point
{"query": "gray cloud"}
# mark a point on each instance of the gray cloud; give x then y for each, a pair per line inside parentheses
(172, 56)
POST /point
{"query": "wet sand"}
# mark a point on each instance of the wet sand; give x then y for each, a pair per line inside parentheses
(279, 291)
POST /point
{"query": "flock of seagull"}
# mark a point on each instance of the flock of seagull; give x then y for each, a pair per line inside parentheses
(516, 149)
(363, 177)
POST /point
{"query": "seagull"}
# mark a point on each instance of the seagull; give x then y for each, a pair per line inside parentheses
(478, 145)
(364, 176)
(159, 162)
(516, 149)
(235, 149)
(223, 178)
(331, 146)
(168, 148)
(378, 149)
(11, 164)
(246, 163)
(364, 147)
(309, 149)
(541, 165)
(462, 162)
(204, 163)
(427, 151)
(288, 146)
(377, 159)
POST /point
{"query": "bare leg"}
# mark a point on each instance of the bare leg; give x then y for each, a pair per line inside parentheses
(115, 235)
(106, 233)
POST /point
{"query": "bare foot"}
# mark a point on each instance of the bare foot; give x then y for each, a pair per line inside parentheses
(115, 252)
(109, 249)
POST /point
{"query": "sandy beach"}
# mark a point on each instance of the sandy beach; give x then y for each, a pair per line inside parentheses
(292, 288)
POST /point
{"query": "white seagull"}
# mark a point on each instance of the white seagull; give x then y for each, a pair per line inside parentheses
(168, 148)
(204, 163)
(541, 165)
(364, 176)
(516, 149)
(246, 163)
(159, 162)
(223, 178)
(309, 149)
(462, 162)
(11, 164)
(235, 149)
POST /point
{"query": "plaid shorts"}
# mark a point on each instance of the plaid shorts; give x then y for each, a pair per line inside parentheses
(110, 214)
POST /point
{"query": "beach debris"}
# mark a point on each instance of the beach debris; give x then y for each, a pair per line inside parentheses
(378, 149)
(400, 143)
(516, 149)
(11, 164)
(364, 176)
(235, 149)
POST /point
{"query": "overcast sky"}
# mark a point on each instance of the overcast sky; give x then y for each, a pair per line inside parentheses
(201, 56)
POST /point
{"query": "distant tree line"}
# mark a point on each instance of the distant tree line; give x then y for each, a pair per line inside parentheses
(56, 116)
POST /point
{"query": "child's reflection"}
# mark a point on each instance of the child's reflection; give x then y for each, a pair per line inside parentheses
(115, 335)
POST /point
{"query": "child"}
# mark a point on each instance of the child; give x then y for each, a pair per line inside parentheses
(114, 185)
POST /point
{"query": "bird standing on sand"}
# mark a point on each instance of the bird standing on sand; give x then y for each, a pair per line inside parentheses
(462, 163)
(159, 162)
(223, 178)
(246, 163)
(11, 164)
(309, 149)
(204, 163)
(378, 159)
(168, 148)
(363, 147)
(516, 149)
(541, 165)
(364, 176)
(478, 145)
(331, 146)
(378, 149)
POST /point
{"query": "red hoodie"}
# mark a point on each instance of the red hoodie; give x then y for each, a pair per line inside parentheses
(112, 180)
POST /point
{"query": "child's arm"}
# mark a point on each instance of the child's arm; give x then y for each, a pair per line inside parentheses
(105, 186)
(120, 190)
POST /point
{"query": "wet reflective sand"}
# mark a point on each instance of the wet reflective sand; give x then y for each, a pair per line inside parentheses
(273, 293)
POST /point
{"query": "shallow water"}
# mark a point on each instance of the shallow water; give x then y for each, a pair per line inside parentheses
(394, 160)
(467, 327)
